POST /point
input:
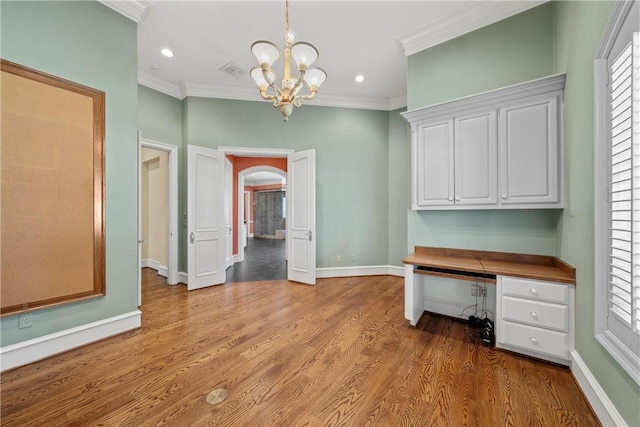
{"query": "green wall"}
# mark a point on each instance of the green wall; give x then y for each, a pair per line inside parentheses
(88, 43)
(515, 50)
(511, 51)
(578, 29)
(399, 165)
(352, 216)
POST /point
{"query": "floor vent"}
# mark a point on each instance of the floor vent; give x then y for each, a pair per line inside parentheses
(217, 396)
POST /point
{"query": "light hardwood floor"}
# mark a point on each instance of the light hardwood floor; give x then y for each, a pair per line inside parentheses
(339, 353)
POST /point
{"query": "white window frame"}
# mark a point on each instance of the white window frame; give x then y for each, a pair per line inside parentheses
(619, 32)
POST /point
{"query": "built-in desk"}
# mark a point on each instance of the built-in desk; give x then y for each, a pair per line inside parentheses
(535, 295)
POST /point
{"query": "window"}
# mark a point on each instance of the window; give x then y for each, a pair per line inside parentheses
(617, 208)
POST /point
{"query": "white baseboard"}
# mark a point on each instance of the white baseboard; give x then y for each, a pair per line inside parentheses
(600, 402)
(183, 277)
(151, 263)
(373, 270)
(39, 348)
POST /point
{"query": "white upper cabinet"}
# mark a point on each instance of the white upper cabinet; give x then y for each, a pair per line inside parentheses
(497, 150)
(433, 155)
(529, 151)
(476, 165)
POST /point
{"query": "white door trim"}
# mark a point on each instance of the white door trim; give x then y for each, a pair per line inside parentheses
(172, 247)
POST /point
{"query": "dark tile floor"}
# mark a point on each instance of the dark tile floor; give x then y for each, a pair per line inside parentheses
(263, 260)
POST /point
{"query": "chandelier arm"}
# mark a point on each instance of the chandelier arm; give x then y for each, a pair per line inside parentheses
(265, 95)
(311, 95)
(265, 74)
(300, 82)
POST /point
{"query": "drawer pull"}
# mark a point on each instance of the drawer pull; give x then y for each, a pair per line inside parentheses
(533, 339)
(534, 314)
(533, 291)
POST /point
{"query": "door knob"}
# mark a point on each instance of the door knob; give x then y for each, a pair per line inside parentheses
(192, 237)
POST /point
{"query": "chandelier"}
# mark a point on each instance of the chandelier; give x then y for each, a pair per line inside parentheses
(290, 94)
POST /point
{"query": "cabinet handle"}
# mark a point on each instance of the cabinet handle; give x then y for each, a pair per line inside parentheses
(534, 314)
(457, 199)
(533, 291)
(504, 196)
(450, 199)
(533, 339)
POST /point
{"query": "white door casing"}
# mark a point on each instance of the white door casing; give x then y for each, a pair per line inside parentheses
(140, 241)
(228, 211)
(205, 213)
(301, 217)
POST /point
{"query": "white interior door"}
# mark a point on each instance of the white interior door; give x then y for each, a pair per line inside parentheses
(206, 231)
(301, 217)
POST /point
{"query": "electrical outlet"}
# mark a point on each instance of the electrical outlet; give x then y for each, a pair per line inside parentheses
(338, 258)
(25, 320)
(478, 290)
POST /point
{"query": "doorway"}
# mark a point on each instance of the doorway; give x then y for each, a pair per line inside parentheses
(158, 209)
(205, 213)
(262, 237)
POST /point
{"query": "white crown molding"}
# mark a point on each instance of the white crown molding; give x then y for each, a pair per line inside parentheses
(361, 102)
(132, 9)
(397, 102)
(478, 15)
(235, 92)
(161, 85)
(241, 93)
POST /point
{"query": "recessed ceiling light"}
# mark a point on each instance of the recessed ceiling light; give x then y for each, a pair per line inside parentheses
(167, 52)
(359, 78)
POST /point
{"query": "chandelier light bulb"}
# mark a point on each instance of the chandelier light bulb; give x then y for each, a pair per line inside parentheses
(315, 77)
(265, 52)
(304, 54)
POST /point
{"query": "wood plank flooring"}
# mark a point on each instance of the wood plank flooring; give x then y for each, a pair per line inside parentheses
(337, 354)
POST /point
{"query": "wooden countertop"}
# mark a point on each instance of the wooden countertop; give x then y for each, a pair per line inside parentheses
(540, 267)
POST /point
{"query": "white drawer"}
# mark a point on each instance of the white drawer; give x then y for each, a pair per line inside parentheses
(536, 313)
(539, 340)
(535, 289)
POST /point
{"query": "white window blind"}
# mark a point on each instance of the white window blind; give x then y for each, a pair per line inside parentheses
(624, 196)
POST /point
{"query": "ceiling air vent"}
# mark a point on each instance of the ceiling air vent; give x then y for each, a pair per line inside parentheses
(234, 70)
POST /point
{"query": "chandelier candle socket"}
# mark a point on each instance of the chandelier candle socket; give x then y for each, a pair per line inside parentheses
(289, 94)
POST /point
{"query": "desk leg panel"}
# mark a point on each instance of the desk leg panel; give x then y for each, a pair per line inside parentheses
(413, 296)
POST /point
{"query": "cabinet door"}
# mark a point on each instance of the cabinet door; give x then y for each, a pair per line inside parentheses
(476, 165)
(530, 152)
(433, 164)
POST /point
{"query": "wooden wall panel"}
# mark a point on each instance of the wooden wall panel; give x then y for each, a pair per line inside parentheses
(51, 229)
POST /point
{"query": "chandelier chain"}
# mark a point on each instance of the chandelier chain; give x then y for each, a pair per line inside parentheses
(286, 14)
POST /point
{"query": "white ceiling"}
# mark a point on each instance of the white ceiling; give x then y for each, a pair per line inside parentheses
(368, 37)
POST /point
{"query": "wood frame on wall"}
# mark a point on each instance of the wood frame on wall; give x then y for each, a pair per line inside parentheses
(53, 191)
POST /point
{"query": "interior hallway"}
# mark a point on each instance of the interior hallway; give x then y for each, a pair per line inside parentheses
(264, 259)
